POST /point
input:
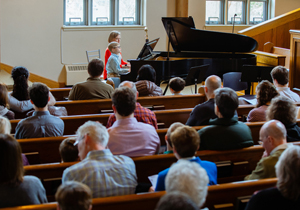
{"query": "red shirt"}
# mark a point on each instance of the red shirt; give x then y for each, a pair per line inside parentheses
(140, 113)
(106, 57)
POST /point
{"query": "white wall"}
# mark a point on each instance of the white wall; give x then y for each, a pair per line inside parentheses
(284, 6)
(31, 34)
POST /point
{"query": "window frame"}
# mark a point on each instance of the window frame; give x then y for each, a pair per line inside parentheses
(246, 12)
(114, 15)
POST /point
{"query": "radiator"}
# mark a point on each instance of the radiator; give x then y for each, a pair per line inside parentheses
(76, 73)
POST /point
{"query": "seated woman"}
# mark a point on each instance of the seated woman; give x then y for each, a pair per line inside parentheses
(265, 91)
(4, 103)
(19, 98)
(287, 193)
(284, 110)
(15, 188)
(5, 128)
(145, 84)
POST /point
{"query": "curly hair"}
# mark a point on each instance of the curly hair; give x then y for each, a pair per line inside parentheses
(20, 76)
(265, 91)
(282, 109)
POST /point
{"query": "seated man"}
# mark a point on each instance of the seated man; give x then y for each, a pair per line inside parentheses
(225, 132)
(280, 76)
(186, 142)
(41, 123)
(202, 113)
(168, 137)
(93, 87)
(189, 178)
(73, 195)
(127, 136)
(105, 174)
(273, 138)
(142, 114)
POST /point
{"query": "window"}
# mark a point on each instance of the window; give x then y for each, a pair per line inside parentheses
(237, 11)
(102, 12)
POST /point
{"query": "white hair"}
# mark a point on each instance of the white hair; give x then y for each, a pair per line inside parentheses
(190, 178)
(96, 131)
(288, 173)
(5, 126)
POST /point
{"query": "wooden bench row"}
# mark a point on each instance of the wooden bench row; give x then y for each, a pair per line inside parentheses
(223, 196)
(45, 150)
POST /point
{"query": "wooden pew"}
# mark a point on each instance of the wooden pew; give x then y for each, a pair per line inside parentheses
(84, 107)
(60, 93)
(218, 195)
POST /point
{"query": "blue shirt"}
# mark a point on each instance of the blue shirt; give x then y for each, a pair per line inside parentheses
(105, 174)
(40, 124)
(113, 64)
(210, 168)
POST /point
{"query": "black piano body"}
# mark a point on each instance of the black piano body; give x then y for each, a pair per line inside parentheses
(224, 52)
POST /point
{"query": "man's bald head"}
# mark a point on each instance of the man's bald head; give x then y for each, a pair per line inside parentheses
(212, 83)
(129, 84)
(272, 134)
(275, 129)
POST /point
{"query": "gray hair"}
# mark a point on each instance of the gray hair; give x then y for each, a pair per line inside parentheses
(176, 201)
(190, 178)
(129, 84)
(5, 126)
(96, 131)
(288, 173)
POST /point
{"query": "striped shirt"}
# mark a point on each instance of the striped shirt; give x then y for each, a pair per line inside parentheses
(105, 174)
(142, 114)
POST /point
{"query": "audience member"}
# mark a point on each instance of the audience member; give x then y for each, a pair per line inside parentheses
(176, 85)
(73, 195)
(146, 82)
(176, 201)
(19, 99)
(273, 138)
(265, 91)
(114, 36)
(190, 178)
(225, 132)
(5, 128)
(127, 136)
(4, 103)
(284, 110)
(280, 76)
(41, 124)
(15, 188)
(140, 113)
(287, 193)
(98, 165)
(168, 137)
(202, 113)
(186, 142)
(93, 87)
(114, 61)
(68, 151)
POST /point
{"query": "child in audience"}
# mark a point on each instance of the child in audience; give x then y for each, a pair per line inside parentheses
(168, 137)
(176, 85)
(67, 150)
(4, 103)
(114, 61)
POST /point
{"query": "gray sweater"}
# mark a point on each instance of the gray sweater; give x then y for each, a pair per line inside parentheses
(30, 191)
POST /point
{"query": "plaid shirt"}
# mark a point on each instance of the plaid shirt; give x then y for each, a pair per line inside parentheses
(142, 114)
(106, 174)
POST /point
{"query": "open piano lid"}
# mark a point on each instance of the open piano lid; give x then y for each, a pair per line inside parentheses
(185, 38)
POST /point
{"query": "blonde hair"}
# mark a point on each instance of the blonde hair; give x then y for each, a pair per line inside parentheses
(112, 45)
(5, 126)
(113, 35)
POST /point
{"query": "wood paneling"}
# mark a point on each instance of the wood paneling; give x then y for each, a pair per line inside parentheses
(182, 8)
(275, 30)
(34, 77)
(295, 59)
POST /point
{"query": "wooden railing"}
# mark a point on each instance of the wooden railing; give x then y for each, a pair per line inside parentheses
(275, 30)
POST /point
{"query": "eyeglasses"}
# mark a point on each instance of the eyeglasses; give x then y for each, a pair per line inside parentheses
(118, 47)
(78, 140)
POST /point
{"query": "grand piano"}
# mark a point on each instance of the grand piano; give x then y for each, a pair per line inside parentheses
(224, 52)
